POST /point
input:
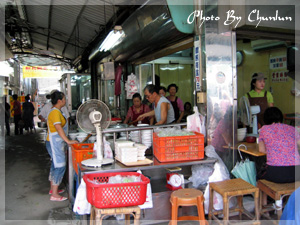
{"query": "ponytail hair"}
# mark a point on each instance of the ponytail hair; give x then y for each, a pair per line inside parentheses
(55, 96)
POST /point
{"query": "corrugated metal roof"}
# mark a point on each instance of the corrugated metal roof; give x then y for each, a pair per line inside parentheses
(65, 29)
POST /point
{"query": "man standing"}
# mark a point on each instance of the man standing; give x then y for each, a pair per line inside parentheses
(163, 109)
(43, 115)
(17, 114)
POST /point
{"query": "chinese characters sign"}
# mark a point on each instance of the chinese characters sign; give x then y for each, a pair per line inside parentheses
(41, 72)
(280, 76)
(197, 65)
(278, 62)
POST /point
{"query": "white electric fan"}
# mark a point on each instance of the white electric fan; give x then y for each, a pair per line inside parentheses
(248, 115)
(92, 117)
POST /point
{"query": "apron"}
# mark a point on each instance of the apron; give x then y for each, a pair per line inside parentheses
(58, 145)
(263, 104)
(135, 115)
(176, 108)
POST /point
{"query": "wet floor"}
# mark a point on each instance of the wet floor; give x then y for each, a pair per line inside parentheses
(27, 200)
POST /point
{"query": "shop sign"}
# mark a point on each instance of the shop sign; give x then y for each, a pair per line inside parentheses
(280, 76)
(41, 72)
(278, 62)
(197, 65)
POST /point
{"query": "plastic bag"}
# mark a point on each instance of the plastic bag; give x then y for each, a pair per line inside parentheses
(196, 122)
(200, 174)
(131, 86)
(220, 173)
(149, 202)
(81, 205)
(107, 153)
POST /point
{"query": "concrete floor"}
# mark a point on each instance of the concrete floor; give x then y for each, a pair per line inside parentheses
(24, 188)
(27, 166)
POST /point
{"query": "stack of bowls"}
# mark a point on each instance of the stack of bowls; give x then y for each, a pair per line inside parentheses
(241, 134)
(81, 136)
(146, 135)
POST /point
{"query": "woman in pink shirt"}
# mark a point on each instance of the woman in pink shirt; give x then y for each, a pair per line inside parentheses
(136, 110)
(280, 143)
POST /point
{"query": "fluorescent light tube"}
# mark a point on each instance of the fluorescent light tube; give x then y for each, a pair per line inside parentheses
(111, 40)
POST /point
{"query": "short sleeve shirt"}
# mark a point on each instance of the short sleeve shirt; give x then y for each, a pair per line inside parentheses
(130, 111)
(281, 144)
(255, 94)
(55, 117)
(47, 108)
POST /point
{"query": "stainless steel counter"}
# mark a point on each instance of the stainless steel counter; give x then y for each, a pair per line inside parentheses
(119, 167)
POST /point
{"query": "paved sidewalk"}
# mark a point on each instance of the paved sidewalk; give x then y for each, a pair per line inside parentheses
(27, 200)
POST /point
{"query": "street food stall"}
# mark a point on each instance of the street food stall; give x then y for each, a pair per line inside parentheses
(212, 88)
(155, 159)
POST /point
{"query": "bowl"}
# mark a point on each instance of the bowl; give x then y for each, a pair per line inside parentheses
(250, 139)
(241, 134)
(92, 139)
(73, 135)
(241, 137)
(242, 131)
(80, 138)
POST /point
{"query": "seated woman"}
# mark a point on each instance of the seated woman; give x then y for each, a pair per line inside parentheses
(187, 111)
(138, 109)
(279, 141)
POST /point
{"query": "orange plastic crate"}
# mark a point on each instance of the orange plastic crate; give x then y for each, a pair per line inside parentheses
(106, 195)
(81, 152)
(178, 148)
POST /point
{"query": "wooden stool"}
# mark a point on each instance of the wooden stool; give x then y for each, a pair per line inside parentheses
(227, 189)
(101, 213)
(275, 191)
(187, 197)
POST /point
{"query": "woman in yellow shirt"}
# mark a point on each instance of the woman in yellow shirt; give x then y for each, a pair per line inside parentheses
(55, 144)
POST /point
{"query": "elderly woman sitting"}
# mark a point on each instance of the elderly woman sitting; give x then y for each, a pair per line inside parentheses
(279, 141)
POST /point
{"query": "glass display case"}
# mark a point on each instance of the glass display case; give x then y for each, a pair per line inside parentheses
(77, 88)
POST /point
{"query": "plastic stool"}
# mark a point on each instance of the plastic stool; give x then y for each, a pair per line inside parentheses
(187, 197)
(275, 191)
(97, 214)
(228, 189)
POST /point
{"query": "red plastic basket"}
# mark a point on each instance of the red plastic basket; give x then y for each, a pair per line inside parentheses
(81, 152)
(178, 148)
(115, 195)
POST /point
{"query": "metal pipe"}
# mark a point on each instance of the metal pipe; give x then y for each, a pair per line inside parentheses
(128, 129)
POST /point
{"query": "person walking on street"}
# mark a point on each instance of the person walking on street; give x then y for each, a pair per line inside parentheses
(17, 115)
(28, 110)
(7, 116)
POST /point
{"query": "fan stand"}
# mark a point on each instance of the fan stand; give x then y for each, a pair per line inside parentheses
(95, 117)
(254, 111)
